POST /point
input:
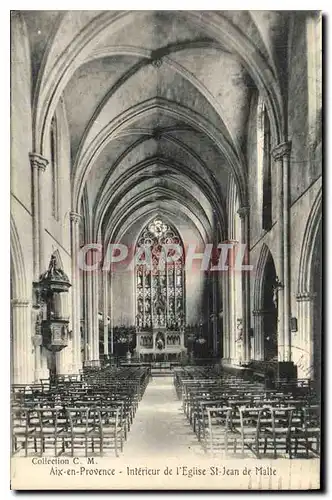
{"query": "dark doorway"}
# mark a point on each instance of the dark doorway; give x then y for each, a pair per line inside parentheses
(270, 312)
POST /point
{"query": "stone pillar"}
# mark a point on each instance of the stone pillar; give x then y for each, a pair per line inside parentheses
(95, 310)
(63, 357)
(281, 156)
(258, 335)
(38, 165)
(111, 315)
(89, 301)
(35, 216)
(244, 216)
(105, 311)
(232, 315)
(213, 312)
(21, 342)
(305, 358)
(76, 310)
(44, 363)
(86, 315)
(226, 323)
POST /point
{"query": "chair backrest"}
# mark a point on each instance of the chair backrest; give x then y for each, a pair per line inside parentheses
(218, 415)
(25, 417)
(78, 418)
(311, 417)
(251, 416)
(282, 417)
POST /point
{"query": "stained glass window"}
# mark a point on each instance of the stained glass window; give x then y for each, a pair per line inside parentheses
(160, 278)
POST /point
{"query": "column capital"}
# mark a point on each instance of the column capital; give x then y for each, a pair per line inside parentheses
(75, 217)
(38, 161)
(281, 150)
(20, 303)
(244, 211)
(305, 297)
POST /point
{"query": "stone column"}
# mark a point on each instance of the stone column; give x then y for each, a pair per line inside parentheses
(86, 315)
(244, 216)
(63, 357)
(112, 309)
(44, 356)
(38, 165)
(281, 156)
(232, 315)
(305, 361)
(105, 310)
(213, 312)
(76, 310)
(21, 342)
(258, 335)
(89, 300)
(95, 310)
(226, 324)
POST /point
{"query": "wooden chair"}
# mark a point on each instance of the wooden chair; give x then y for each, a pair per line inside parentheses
(26, 429)
(112, 431)
(253, 420)
(277, 433)
(54, 429)
(79, 428)
(219, 434)
(307, 434)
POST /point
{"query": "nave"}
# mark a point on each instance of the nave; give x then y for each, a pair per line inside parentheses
(193, 412)
(170, 216)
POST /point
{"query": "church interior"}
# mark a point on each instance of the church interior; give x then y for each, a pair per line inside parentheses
(200, 131)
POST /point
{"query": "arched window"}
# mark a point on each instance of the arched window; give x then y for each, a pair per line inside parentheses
(54, 168)
(264, 194)
(159, 284)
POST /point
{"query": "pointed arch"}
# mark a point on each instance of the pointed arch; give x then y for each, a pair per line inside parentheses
(308, 246)
(165, 219)
(259, 280)
(119, 127)
(160, 289)
(52, 83)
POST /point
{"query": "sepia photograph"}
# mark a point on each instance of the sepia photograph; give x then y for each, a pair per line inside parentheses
(166, 250)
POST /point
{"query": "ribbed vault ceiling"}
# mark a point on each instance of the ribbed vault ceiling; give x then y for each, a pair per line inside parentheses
(157, 107)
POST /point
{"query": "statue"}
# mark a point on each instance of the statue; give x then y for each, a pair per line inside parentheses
(52, 265)
(275, 289)
(160, 341)
(159, 302)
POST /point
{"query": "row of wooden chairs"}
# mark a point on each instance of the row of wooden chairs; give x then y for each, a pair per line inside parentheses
(62, 430)
(230, 413)
(92, 412)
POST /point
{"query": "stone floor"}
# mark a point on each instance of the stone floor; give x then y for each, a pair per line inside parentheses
(160, 427)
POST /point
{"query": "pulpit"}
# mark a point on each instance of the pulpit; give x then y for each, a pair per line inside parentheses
(52, 323)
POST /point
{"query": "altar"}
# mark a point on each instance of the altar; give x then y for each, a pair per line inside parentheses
(160, 345)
